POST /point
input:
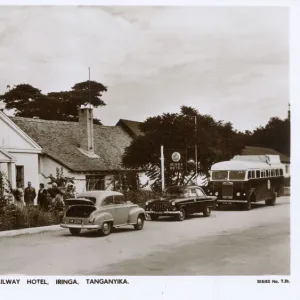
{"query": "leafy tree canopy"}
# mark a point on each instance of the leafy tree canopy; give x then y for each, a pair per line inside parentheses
(30, 102)
(216, 141)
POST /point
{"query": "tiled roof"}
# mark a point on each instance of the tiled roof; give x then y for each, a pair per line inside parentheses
(132, 127)
(60, 140)
(249, 150)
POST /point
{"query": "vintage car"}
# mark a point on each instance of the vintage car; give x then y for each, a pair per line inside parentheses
(181, 201)
(103, 211)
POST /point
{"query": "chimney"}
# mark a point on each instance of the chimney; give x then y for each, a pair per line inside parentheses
(85, 117)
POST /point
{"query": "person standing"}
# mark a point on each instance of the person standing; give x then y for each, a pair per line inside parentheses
(19, 197)
(29, 194)
(42, 198)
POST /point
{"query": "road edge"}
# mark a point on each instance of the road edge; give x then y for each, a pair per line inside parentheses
(32, 230)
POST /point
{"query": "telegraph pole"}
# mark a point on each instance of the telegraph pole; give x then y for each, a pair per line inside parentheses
(90, 85)
(196, 148)
(162, 161)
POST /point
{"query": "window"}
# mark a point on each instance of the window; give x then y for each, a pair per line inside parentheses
(119, 200)
(281, 172)
(287, 171)
(257, 174)
(237, 175)
(20, 176)
(277, 172)
(253, 174)
(262, 174)
(219, 175)
(108, 201)
(249, 174)
(193, 193)
(272, 173)
(199, 193)
(95, 182)
(268, 173)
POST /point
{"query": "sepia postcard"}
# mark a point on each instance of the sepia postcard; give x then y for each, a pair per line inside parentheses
(145, 149)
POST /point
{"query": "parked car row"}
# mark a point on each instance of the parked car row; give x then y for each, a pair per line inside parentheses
(105, 210)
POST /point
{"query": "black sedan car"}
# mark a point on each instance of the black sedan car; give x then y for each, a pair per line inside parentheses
(181, 201)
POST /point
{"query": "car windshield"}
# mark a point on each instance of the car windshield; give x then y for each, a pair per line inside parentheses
(219, 175)
(237, 175)
(175, 191)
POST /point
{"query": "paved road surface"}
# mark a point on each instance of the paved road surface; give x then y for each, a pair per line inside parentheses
(229, 242)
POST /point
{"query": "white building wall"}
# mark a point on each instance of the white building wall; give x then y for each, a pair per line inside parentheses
(30, 163)
(48, 166)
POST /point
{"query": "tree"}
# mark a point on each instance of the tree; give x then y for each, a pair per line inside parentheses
(215, 141)
(28, 101)
(275, 135)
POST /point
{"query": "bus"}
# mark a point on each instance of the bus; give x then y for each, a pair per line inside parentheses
(243, 182)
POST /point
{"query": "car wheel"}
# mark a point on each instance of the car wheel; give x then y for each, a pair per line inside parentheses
(154, 217)
(181, 215)
(207, 211)
(139, 223)
(106, 228)
(75, 231)
(248, 205)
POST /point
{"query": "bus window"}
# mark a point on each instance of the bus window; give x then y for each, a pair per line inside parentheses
(219, 175)
(277, 172)
(249, 174)
(281, 172)
(237, 175)
(272, 172)
(257, 174)
(253, 174)
(268, 173)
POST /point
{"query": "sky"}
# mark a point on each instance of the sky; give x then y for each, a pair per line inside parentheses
(229, 62)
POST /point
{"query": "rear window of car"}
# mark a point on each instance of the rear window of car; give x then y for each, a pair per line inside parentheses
(93, 199)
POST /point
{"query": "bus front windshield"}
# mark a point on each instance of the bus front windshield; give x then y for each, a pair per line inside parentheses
(237, 175)
(219, 175)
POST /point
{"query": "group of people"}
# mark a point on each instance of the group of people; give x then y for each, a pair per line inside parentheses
(44, 196)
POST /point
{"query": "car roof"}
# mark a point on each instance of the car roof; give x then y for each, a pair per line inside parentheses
(99, 193)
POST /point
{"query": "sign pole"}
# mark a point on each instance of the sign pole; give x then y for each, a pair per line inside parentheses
(162, 161)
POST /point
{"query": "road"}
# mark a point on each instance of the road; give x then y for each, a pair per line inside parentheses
(229, 242)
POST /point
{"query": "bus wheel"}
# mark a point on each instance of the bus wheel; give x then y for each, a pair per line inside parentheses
(271, 202)
(248, 205)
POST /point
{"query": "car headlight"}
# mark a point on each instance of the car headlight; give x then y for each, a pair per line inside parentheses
(238, 194)
(216, 193)
(147, 202)
(173, 202)
(244, 194)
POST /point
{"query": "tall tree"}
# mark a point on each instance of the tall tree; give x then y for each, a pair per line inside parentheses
(215, 141)
(28, 101)
(276, 135)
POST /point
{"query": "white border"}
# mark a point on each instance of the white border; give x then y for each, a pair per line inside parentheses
(234, 287)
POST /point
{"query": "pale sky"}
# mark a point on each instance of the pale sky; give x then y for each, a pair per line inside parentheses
(229, 62)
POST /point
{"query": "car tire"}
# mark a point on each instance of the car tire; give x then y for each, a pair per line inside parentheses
(75, 231)
(154, 217)
(106, 228)
(248, 205)
(182, 214)
(207, 211)
(139, 223)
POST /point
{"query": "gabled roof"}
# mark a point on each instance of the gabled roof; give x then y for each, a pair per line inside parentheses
(250, 150)
(132, 127)
(60, 140)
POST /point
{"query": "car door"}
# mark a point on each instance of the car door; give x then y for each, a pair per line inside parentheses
(121, 210)
(109, 206)
(193, 203)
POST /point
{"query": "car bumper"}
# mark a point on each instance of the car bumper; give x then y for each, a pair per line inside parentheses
(231, 201)
(163, 213)
(80, 226)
